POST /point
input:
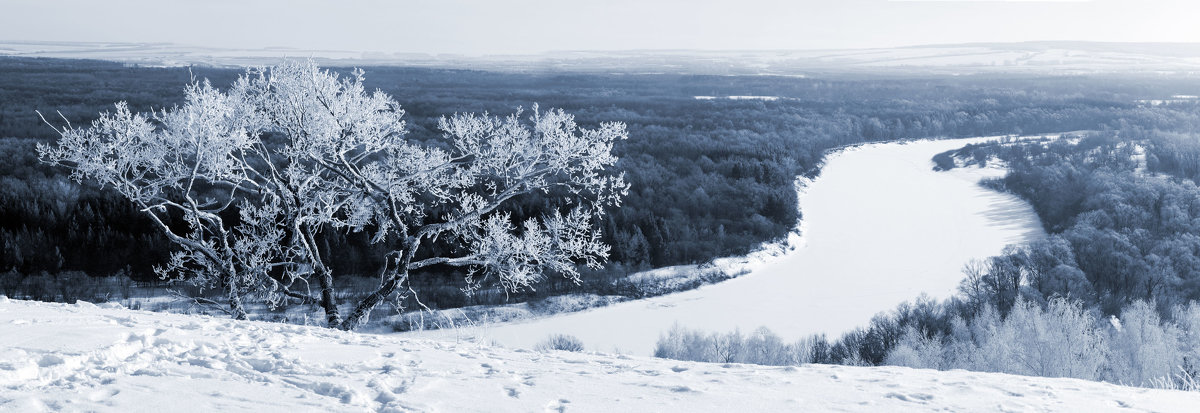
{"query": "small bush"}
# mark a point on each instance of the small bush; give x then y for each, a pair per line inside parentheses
(561, 342)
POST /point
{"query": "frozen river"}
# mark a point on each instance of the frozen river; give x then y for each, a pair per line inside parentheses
(880, 227)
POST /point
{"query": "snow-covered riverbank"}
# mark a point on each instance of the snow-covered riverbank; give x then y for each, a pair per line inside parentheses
(74, 358)
(880, 227)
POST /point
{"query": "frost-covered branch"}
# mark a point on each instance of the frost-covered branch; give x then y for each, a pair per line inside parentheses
(245, 180)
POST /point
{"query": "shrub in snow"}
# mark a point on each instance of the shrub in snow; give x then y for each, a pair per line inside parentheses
(561, 342)
(1141, 348)
(1187, 319)
(245, 181)
(683, 344)
(764, 347)
(1035, 342)
(1182, 380)
(1060, 341)
(916, 350)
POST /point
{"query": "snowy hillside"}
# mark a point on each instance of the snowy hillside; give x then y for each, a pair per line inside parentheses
(56, 357)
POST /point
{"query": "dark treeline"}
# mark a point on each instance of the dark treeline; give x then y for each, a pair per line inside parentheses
(709, 177)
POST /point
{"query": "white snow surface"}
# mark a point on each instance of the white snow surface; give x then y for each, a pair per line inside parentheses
(83, 357)
(880, 227)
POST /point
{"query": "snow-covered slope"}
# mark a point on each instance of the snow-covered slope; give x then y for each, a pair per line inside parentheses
(56, 357)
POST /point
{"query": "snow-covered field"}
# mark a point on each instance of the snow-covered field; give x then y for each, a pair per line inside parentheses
(880, 227)
(58, 357)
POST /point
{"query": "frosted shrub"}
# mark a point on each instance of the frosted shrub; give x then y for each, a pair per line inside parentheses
(959, 347)
(765, 348)
(917, 351)
(1187, 318)
(1142, 348)
(560, 342)
(1183, 380)
(1061, 341)
(992, 343)
(684, 344)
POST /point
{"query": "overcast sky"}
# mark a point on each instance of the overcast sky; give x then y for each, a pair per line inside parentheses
(532, 26)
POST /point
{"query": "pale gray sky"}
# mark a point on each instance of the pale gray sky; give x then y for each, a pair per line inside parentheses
(532, 26)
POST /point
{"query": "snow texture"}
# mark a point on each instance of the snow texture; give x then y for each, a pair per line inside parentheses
(83, 357)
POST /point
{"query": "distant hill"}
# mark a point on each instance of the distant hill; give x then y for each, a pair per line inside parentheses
(970, 58)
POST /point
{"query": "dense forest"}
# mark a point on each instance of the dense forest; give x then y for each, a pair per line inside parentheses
(1111, 293)
(710, 177)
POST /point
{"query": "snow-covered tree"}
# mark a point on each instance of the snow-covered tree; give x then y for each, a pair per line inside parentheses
(1060, 341)
(918, 351)
(1142, 348)
(765, 347)
(244, 181)
(1187, 318)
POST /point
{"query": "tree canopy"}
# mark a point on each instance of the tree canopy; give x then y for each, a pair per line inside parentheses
(243, 181)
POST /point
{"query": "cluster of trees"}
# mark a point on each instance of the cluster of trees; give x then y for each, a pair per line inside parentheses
(1119, 274)
(762, 346)
(1063, 339)
(1110, 294)
(1119, 231)
(50, 225)
(708, 178)
(1058, 339)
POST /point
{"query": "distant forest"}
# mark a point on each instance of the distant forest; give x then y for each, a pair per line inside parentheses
(1113, 293)
(709, 178)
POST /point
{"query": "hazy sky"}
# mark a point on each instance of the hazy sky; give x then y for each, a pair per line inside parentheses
(531, 26)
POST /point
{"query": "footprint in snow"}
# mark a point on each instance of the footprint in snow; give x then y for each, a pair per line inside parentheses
(50, 360)
(915, 397)
(682, 389)
(559, 405)
(488, 369)
(102, 394)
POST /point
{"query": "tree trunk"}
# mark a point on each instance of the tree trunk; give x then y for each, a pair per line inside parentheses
(235, 302)
(363, 311)
(239, 313)
(324, 278)
(328, 302)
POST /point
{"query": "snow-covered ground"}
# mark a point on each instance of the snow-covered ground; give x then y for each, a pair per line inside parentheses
(880, 227)
(58, 357)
